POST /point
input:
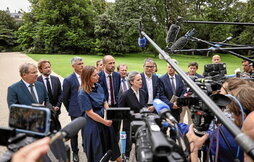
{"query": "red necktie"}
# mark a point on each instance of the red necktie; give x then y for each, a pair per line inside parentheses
(111, 90)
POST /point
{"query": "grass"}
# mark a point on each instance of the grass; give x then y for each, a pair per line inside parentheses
(61, 63)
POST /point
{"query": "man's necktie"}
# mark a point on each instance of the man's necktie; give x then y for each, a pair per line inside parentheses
(173, 85)
(124, 85)
(111, 90)
(32, 93)
(49, 90)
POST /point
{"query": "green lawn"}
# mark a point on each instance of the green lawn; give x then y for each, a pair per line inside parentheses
(61, 63)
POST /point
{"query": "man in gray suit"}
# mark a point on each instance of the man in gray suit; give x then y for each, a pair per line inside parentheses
(28, 91)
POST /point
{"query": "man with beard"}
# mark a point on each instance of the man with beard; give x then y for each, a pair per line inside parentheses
(111, 82)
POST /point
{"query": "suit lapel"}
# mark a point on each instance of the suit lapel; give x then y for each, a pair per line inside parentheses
(26, 91)
(168, 82)
(144, 82)
(74, 77)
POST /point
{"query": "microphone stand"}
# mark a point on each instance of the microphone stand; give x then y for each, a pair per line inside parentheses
(216, 47)
(212, 49)
(216, 22)
(241, 138)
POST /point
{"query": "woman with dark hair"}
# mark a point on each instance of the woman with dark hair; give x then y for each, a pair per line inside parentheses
(135, 98)
(99, 136)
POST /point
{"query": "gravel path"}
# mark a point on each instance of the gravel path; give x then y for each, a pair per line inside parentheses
(9, 65)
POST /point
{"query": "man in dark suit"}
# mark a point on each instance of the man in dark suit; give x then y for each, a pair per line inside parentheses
(71, 86)
(28, 91)
(110, 82)
(172, 85)
(150, 82)
(52, 84)
(122, 70)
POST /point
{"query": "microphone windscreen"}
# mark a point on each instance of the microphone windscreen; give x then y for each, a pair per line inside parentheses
(142, 42)
(180, 43)
(159, 105)
(172, 33)
(74, 126)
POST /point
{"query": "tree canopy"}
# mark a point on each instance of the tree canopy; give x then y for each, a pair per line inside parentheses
(100, 27)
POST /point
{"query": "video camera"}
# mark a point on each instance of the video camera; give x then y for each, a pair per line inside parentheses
(200, 113)
(26, 125)
(151, 143)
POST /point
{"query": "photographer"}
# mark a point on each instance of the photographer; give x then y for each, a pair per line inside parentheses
(135, 98)
(229, 150)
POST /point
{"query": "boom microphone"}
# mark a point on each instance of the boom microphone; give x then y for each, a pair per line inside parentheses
(163, 109)
(181, 42)
(172, 33)
(70, 129)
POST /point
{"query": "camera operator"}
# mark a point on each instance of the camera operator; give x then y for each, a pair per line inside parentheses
(135, 98)
(32, 152)
(247, 69)
(241, 98)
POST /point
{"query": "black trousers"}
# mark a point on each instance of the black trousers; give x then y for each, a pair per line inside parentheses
(74, 140)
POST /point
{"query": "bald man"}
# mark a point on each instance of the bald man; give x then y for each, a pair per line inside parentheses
(216, 59)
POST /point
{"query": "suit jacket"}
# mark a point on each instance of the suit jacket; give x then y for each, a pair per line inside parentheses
(129, 99)
(18, 93)
(56, 90)
(121, 88)
(156, 85)
(116, 84)
(70, 95)
(167, 91)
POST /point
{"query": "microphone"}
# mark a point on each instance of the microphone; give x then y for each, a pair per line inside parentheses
(142, 42)
(172, 33)
(181, 42)
(70, 129)
(163, 109)
(107, 156)
(123, 142)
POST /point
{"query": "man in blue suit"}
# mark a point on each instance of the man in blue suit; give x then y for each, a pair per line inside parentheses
(150, 82)
(71, 86)
(172, 85)
(110, 82)
(28, 91)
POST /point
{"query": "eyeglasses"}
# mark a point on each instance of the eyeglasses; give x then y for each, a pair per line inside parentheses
(149, 67)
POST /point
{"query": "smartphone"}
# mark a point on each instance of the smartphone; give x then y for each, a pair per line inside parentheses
(30, 119)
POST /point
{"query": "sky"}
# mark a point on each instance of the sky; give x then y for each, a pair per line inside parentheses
(16, 5)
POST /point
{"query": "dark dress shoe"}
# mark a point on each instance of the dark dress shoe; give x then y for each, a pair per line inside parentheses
(75, 157)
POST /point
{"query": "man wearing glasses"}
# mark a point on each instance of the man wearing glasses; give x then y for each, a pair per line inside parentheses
(150, 82)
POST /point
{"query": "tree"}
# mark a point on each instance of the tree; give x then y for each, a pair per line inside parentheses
(7, 27)
(109, 39)
(64, 26)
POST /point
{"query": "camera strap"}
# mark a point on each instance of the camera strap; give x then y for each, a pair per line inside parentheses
(227, 143)
(51, 156)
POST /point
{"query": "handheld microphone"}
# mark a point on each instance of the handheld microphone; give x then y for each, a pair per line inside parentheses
(163, 109)
(123, 142)
(181, 42)
(70, 129)
(107, 156)
(172, 33)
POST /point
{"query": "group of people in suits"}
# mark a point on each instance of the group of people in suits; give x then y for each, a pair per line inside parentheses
(104, 89)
